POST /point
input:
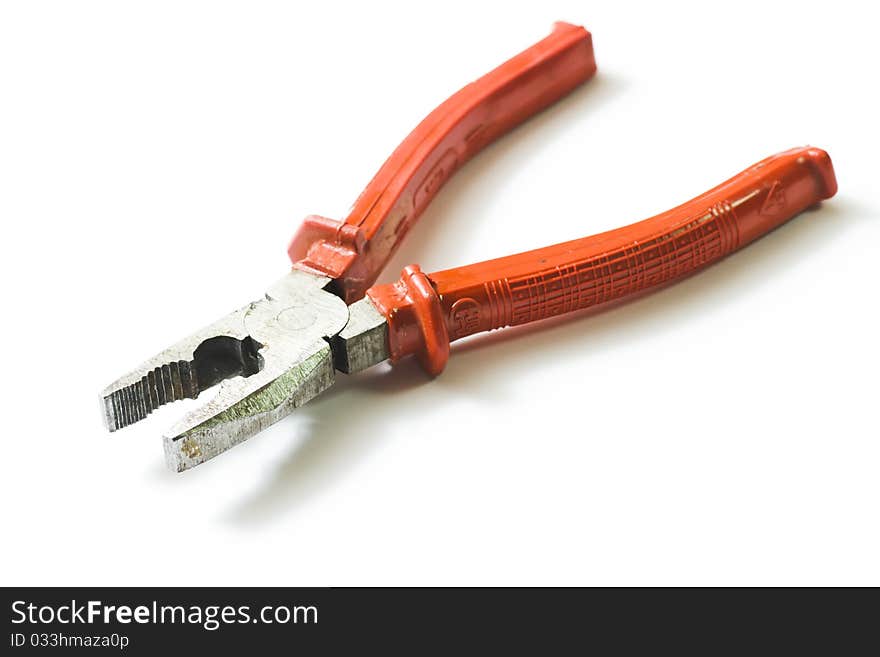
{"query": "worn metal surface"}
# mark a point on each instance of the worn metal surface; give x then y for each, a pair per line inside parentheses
(269, 357)
(364, 340)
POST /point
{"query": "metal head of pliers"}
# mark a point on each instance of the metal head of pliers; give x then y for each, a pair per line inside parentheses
(269, 357)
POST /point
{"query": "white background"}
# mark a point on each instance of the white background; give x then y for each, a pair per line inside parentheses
(155, 158)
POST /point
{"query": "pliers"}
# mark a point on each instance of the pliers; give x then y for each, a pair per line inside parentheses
(275, 354)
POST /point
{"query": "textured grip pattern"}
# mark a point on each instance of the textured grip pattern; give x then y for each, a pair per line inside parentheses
(597, 280)
(594, 270)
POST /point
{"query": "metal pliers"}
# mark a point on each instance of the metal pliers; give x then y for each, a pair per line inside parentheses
(275, 354)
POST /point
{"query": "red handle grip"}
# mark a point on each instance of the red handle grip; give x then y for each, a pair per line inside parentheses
(425, 313)
(355, 251)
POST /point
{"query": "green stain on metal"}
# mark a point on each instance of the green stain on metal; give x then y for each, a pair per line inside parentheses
(269, 397)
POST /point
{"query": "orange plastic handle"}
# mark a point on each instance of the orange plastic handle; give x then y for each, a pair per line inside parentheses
(354, 252)
(426, 312)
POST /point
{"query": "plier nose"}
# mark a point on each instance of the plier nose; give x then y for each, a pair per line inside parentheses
(269, 357)
(276, 353)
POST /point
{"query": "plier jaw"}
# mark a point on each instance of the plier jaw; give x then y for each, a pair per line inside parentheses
(269, 357)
